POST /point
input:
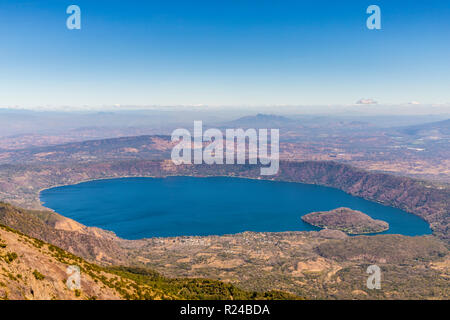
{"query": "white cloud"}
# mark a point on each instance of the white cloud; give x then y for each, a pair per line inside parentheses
(366, 101)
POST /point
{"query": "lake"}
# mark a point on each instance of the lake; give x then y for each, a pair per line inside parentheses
(137, 208)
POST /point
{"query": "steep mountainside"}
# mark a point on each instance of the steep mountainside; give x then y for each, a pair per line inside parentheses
(90, 243)
(33, 269)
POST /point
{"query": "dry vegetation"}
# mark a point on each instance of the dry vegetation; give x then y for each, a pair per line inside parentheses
(33, 269)
(325, 264)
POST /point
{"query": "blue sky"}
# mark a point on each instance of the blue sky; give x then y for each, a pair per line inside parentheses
(223, 53)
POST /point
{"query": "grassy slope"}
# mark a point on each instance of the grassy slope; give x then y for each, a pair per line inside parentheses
(33, 269)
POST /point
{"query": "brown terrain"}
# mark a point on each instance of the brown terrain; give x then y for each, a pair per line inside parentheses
(419, 151)
(325, 264)
(32, 269)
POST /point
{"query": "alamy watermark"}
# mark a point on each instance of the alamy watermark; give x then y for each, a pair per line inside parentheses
(374, 20)
(74, 280)
(74, 20)
(374, 280)
(208, 147)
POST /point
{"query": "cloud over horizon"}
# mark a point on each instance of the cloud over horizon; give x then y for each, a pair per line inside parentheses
(366, 101)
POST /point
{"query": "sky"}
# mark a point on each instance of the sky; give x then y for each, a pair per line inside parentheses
(223, 53)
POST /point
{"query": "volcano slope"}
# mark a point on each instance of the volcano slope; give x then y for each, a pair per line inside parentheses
(33, 269)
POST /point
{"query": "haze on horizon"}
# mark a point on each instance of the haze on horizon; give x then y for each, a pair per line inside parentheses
(291, 55)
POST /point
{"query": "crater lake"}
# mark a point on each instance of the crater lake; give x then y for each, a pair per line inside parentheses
(136, 208)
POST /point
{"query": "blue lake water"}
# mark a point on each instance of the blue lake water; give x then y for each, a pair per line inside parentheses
(137, 208)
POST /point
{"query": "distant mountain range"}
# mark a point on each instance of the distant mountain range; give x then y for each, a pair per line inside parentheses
(433, 129)
(263, 121)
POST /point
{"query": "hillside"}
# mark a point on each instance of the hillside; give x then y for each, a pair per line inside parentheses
(438, 129)
(33, 269)
(90, 243)
(326, 264)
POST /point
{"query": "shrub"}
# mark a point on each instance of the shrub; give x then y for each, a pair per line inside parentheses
(38, 275)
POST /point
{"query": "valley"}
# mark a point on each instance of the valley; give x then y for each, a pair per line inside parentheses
(324, 264)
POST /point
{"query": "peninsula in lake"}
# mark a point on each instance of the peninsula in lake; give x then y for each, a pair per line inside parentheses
(346, 220)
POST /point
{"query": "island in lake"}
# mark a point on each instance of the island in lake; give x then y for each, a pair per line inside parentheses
(346, 220)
